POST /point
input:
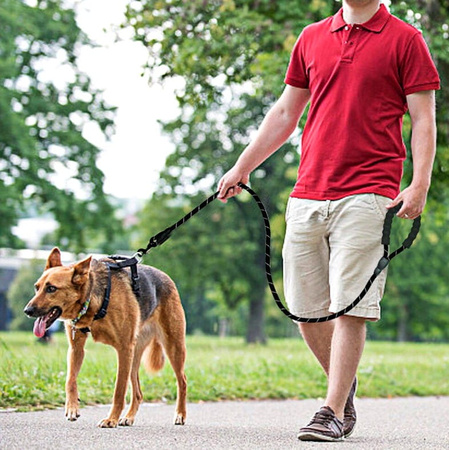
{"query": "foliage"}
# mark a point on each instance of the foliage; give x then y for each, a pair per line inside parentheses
(21, 292)
(232, 56)
(44, 157)
(33, 376)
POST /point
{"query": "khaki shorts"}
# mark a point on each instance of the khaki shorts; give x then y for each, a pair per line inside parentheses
(330, 251)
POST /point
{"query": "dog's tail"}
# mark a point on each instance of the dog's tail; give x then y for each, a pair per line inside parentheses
(154, 358)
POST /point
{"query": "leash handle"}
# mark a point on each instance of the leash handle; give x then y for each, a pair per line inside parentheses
(413, 233)
(391, 213)
(388, 222)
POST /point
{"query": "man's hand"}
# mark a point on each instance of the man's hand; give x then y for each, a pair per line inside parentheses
(228, 185)
(414, 200)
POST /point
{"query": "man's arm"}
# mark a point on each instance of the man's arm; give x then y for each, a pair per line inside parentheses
(421, 106)
(275, 129)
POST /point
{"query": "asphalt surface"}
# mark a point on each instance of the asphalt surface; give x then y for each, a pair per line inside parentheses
(390, 424)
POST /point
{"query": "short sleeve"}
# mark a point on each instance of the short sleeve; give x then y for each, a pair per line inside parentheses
(418, 71)
(296, 75)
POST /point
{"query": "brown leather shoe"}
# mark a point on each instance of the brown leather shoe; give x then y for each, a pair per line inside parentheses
(323, 427)
(350, 414)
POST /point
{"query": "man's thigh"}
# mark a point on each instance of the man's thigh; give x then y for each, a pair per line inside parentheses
(306, 258)
(355, 241)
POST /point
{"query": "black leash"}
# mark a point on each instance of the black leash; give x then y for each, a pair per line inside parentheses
(161, 237)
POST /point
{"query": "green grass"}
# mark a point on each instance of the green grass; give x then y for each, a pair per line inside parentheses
(32, 375)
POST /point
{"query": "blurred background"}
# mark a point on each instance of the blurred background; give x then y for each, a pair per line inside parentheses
(117, 118)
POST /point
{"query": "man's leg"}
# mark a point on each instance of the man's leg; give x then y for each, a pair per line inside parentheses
(347, 346)
(318, 336)
(338, 347)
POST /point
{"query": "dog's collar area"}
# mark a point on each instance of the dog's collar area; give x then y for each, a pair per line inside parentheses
(82, 312)
(78, 317)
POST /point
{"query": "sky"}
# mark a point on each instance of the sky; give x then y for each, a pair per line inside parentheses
(138, 150)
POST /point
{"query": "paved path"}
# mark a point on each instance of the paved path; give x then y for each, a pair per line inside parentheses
(406, 423)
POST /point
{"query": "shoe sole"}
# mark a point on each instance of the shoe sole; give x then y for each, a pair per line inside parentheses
(350, 433)
(311, 436)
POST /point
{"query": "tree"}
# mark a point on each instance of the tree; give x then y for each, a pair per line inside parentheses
(44, 157)
(232, 57)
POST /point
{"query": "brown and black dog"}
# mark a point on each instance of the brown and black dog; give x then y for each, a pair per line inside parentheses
(148, 325)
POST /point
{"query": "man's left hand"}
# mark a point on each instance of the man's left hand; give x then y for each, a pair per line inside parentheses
(414, 200)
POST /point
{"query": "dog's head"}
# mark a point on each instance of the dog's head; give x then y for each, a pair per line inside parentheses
(60, 292)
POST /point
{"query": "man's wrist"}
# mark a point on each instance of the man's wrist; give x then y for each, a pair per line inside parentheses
(420, 184)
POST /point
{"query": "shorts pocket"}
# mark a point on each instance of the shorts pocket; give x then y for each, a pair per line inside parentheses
(379, 204)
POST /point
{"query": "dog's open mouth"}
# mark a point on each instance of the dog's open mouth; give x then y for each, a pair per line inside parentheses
(43, 323)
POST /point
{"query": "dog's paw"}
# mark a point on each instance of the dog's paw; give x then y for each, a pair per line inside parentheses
(180, 419)
(72, 414)
(107, 423)
(126, 422)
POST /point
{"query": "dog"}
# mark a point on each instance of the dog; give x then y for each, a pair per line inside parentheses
(140, 327)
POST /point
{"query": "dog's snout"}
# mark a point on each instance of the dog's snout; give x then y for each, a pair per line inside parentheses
(29, 310)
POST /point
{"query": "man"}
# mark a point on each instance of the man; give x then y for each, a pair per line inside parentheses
(360, 69)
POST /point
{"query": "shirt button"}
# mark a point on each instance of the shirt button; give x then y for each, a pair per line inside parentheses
(346, 28)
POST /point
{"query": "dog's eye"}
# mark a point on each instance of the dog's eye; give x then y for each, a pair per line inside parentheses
(50, 289)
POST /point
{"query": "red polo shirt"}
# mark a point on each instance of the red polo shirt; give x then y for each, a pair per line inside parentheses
(359, 77)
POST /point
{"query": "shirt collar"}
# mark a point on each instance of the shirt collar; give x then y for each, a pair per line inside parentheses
(375, 24)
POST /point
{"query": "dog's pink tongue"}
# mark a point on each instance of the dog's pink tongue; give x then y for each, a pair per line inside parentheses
(39, 327)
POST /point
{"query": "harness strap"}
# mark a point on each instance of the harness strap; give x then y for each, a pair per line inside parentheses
(107, 295)
(122, 262)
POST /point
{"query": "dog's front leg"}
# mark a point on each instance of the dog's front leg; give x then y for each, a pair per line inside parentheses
(124, 356)
(75, 356)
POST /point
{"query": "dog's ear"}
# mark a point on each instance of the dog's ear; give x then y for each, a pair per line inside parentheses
(81, 271)
(54, 259)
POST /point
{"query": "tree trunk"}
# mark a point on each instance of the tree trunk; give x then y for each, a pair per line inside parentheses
(255, 332)
(403, 335)
(223, 327)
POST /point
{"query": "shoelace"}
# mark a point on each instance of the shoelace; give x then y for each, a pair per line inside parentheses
(322, 417)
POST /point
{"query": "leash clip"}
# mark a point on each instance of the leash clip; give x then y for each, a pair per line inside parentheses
(383, 262)
(138, 256)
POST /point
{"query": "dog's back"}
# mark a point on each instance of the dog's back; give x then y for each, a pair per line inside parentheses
(154, 286)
